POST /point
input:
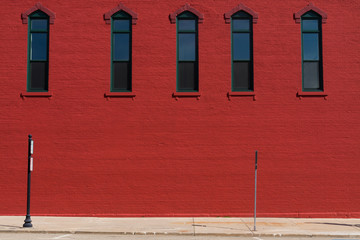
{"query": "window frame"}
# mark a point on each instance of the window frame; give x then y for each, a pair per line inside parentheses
(38, 14)
(248, 17)
(121, 15)
(318, 18)
(187, 15)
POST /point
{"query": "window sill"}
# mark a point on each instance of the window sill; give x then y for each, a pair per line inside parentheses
(36, 95)
(241, 94)
(301, 94)
(108, 95)
(178, 95)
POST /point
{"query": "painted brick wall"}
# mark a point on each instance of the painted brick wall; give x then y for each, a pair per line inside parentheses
(157, 156)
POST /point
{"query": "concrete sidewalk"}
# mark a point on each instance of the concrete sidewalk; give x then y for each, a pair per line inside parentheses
(300, 227)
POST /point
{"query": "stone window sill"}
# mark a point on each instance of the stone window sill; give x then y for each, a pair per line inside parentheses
(108, 95)
(36, 95)
(178, 95)
(301, 94)
(241, 94)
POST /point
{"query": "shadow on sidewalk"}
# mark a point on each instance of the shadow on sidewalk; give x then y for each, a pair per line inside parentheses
(10, 226)
(338, 224)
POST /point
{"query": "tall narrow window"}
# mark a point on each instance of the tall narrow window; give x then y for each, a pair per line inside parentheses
(38, 52)
(187, 52)
(311, 41)
(242, 57)
(121, 52)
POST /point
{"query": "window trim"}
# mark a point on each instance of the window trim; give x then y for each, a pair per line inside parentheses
(297, 17)
(25, 17)
(228, 17)
(200, 19)
(108, 20)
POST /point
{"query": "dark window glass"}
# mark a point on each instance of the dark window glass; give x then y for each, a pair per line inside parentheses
(311, 46)
(121, 44)
(187, 76)
(311, 75)
(38, 46)
(187, 45)
(186, 15)
(122, 25)
(241, 46)
(187, 25)
(241, 76)
(241, 24)
(121, 77)
(241, 14)
(39, 73)
(310, 25)
(39, 25)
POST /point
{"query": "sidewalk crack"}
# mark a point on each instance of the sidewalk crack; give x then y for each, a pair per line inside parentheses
(247, 226)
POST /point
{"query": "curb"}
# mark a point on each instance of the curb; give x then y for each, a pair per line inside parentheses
(247, 234)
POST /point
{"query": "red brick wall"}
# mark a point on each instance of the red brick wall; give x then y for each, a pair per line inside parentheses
(156, 156)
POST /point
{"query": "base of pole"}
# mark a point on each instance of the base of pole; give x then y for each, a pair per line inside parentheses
(27, 222)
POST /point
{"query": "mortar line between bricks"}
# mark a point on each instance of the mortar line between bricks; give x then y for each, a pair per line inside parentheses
(193, 226)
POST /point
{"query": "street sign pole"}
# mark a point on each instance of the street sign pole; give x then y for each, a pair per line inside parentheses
(30, 168)
(256, 152)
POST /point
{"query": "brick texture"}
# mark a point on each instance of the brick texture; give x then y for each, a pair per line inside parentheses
(155, 156)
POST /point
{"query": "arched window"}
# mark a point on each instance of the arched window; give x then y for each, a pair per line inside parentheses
(121, 52)
(38, 52)
(242, 52)
(311, 45)
(187, 52)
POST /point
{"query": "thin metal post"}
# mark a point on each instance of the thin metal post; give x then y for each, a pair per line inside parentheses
(30, 152)
(255, 190)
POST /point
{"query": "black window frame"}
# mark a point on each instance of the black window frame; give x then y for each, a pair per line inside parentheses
(121, 15)
(311, 15)
(242, 15)
(181, 64)
(44, 71)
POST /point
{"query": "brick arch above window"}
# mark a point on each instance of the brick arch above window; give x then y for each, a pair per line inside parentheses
(188, 8)
(241, 7)
(310, 7)
(38, 6)
(121, 7)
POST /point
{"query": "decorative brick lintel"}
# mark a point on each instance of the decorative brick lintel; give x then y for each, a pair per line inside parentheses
(38, 6)
(241, 7)
(310, 7)
(186, 7)
(121, 7)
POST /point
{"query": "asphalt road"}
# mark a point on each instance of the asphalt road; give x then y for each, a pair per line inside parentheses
(36, 236)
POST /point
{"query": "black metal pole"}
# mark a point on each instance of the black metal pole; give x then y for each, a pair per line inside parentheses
(256, 154)
(28, 217)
